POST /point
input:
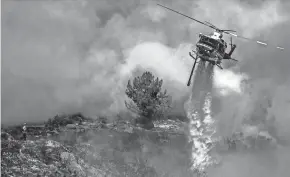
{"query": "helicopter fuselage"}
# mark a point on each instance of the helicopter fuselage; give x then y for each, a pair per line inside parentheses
(211, 48)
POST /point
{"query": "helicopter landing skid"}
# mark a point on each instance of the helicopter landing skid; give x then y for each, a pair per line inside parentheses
(218, 65)
(195, 61)
(190, 54)
(191, 73)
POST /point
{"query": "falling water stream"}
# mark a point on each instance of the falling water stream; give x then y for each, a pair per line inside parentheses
(201, 122)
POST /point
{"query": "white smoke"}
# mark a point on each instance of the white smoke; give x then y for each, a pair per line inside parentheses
(227, 81)
(165, 62)
(162, 59)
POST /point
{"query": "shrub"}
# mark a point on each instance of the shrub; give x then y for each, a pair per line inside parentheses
(103, 119)
(147, 99)
(63, 120)
(14, 131)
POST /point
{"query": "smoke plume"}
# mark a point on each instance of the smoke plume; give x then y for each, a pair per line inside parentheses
(68, 56)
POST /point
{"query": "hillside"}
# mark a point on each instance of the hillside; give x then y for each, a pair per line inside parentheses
(73, 145)
(96, 148)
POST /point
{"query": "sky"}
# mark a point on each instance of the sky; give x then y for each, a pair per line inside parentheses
(69, 56)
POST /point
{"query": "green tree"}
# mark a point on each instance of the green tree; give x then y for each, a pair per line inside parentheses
(147, 98)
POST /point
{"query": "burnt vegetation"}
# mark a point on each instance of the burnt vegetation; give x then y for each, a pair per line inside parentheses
(73, 138)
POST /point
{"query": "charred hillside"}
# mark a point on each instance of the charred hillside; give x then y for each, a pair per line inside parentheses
(73, 145)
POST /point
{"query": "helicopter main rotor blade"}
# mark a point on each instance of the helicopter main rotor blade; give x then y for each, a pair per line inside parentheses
(221, 30)
(252, 40)
(213, 27)
(206, 23)
(229, 31)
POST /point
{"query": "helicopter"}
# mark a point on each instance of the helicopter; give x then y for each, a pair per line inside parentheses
(212, 47)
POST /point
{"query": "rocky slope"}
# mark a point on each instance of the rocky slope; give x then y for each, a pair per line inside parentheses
(95, 148)
(76, 146)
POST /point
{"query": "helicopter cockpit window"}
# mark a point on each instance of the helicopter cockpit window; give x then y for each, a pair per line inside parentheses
(219, 46)
(213, 42)
(208, 41)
